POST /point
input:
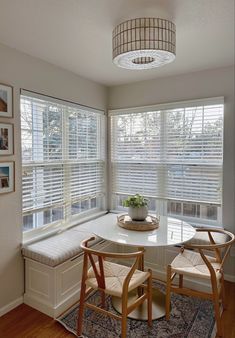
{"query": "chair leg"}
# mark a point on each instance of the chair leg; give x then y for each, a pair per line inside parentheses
(124, 314)
(102, 299)
(223, 296)
(124, 319)
(149, 300)
(181, 278)
(216, 307)
(168, 292)
(81, 309)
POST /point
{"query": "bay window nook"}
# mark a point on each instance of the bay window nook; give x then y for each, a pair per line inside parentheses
(172, 154)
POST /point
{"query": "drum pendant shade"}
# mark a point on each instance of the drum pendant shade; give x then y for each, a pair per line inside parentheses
(144, 43)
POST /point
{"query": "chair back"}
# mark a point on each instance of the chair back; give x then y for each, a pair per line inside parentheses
(97, 258)
(221, 250)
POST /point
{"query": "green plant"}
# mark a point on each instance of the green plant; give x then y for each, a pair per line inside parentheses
(136, 201)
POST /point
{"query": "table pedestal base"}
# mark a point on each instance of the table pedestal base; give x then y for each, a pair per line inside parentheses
(140, 313)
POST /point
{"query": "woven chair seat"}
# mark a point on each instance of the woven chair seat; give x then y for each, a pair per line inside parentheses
(115, 275)
(191, 263)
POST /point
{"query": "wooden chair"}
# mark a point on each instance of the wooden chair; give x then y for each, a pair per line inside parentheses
(195, 263)
(115, 280)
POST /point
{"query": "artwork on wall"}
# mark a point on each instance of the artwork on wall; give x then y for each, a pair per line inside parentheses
(6, 101)
(6, 177)
(6, 139)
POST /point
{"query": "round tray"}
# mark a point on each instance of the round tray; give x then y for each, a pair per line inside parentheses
(150, 223)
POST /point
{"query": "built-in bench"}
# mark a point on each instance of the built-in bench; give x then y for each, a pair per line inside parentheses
(53, 268)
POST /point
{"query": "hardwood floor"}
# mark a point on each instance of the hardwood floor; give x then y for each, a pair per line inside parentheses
(25, 322)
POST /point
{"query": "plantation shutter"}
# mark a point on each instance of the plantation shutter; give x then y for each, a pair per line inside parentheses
(169, 152)
(62, 158)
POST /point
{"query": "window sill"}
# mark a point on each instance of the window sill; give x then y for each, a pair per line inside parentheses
(43, 233)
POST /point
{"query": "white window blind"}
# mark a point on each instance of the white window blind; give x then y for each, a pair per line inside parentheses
(168, 153)
(63, 160)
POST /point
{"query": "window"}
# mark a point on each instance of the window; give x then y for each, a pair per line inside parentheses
(172, 154)
(63, 161)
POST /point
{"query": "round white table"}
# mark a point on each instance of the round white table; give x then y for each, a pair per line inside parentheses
(171, 231)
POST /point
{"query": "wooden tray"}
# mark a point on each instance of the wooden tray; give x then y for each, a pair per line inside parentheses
(150, 223)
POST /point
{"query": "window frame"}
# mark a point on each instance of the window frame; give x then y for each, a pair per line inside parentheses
(161, 204)
(75, 219)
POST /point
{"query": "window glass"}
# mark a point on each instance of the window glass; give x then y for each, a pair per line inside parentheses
(62, 159)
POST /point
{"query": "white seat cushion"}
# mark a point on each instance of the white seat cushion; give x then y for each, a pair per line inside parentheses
(58, 248)
(115, 275)
(191, 263)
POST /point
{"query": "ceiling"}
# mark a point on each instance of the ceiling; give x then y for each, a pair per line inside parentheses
(76, 34)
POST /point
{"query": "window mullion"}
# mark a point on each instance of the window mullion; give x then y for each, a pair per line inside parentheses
(162, 171)
(66, 165)
(37, 155)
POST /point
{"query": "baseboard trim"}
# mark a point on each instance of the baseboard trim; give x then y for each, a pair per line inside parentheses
(11, 306)
(47, 308)
(39, 305)
(229, 278)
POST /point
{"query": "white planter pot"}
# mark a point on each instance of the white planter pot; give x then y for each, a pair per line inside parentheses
(138, 214)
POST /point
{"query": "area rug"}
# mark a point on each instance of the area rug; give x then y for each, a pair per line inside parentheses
(190, 318)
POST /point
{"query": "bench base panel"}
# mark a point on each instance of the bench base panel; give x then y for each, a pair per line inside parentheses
(52, 290)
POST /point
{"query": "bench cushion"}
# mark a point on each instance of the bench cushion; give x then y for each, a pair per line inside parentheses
(57, 249)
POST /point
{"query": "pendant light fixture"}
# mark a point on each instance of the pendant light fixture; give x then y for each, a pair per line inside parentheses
(144, 43)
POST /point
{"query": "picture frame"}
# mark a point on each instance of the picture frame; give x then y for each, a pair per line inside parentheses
(6, 101)
(7, 177)
(6, 139)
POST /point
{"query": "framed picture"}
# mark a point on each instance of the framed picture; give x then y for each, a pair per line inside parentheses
(6, 101)
(7, 176)
(6, 139)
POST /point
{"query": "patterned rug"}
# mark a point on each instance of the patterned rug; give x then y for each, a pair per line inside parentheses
(190, 318)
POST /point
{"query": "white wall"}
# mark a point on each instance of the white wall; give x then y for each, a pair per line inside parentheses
(23, 71)
(209, 83)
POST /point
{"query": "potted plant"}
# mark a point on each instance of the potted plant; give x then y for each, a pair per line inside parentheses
(137, 207)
